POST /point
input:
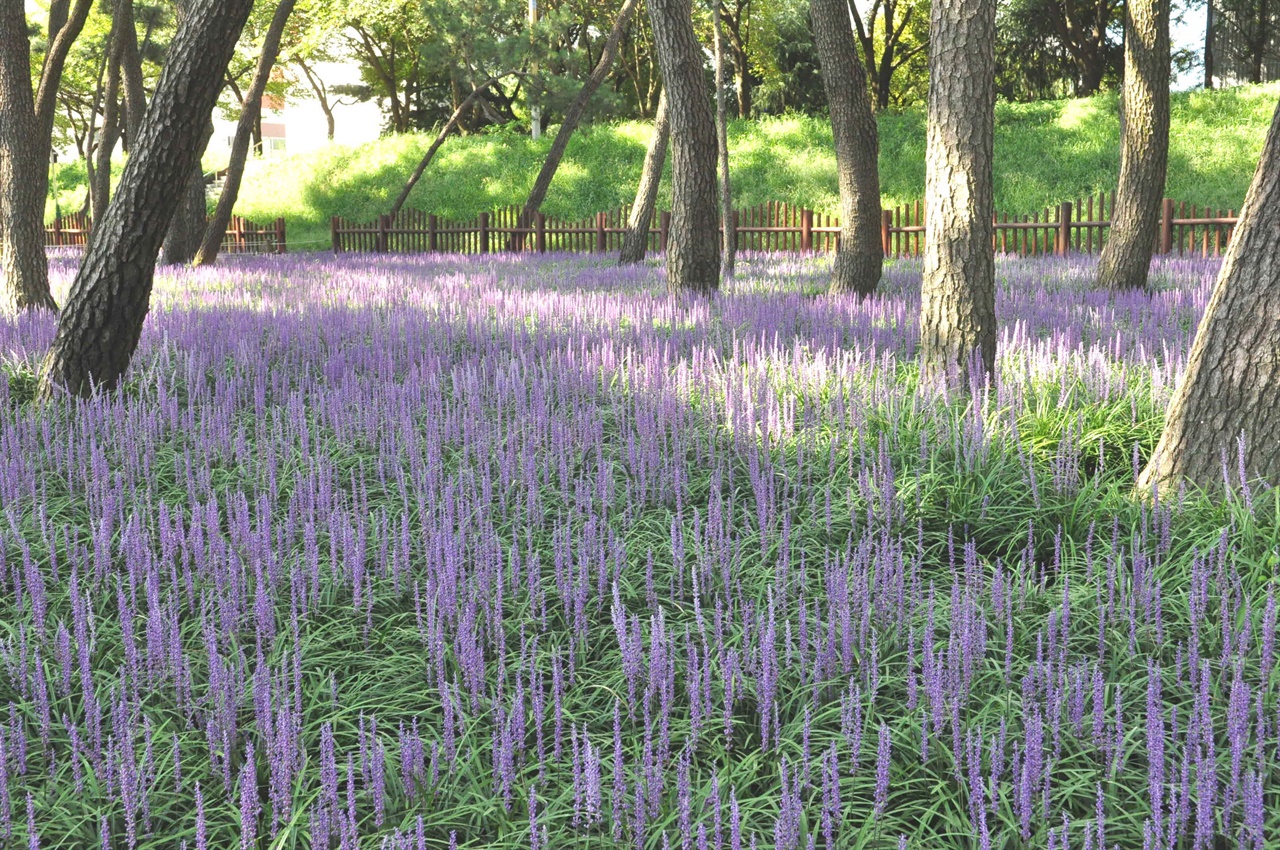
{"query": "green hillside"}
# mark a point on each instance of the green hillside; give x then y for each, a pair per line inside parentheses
(1045, 153)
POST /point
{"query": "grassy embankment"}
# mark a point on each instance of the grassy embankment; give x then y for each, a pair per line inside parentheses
(1045, 153)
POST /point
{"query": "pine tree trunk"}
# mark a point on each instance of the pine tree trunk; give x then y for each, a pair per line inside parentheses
(730, 236)
(635, 242)
(135, 96)
(572, 117)
(63, 31)
(216, 229)
(957, 310)
(100, 184)
(1232, 383)
(23, 172)
(99, 327)
(1144, 147)
(860, 255)
(439, 140)
(187, 227)
(693, 245)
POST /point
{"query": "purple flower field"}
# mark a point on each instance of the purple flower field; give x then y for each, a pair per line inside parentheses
(489, 552)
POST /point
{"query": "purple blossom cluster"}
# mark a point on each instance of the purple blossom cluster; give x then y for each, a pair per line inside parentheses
(446, 552)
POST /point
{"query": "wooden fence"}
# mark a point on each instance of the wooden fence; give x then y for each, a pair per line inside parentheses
(71, 229)
(1077, 227)
(243, 236)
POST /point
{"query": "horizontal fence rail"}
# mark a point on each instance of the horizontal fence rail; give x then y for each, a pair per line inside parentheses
(243, 236)
(1079, 227)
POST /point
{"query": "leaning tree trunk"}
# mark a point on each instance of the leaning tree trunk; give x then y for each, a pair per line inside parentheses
(63, 32)
(1232, 383)
(135, 96)
(100, 180)
(693, 246)
(440, 137)
(635, 242)
(572, 117)
(1144, 147)
(957, 295)
(730, 236)
(23, 175)
(216, 229)
(99, 327)
(859, 255)
(186, 228)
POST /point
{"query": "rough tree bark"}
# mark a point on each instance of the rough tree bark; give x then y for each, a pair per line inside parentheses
(1232, 383)
(1144, 147)
(215, 231)
(693, 246)
(23, 174)
(186, 228)
(572, 116)
(957, 310)
(635, 242)
(99, 327)
(730, 237)
(860, 255)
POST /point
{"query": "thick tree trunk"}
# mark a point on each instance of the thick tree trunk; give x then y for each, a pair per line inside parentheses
(859, 255)
(1144, 147)
(23, 172)
(635, 242)
(730, 237)
(186, 229)
(957, 310)
(573, 116)
(1232, 383)
(98, 329)
(693, 249)
(216, 229)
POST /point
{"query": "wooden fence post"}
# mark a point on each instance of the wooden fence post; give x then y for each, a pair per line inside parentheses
(280, 236)
(1064, 228)
(664, 229)
(1166, 226)
(57, 231)
(806, 230)
(433, 235)
(484, 233)
(601, 219)
(333, 235)
(239, 225)
(384, 224)
(540, 236)
(886, 232)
